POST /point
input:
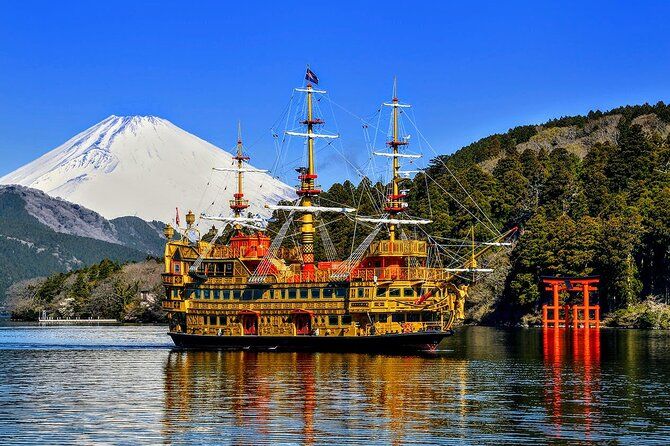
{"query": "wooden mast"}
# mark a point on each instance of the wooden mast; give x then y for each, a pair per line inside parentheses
(308, 189)
(238, 204)
(395, 204)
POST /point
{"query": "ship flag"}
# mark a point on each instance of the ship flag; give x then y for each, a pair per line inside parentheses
(311, 77)
(176, 219)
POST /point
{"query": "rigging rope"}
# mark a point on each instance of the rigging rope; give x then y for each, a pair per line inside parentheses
(260, 273)
(439, 158)
(345, 268)
(328, 246)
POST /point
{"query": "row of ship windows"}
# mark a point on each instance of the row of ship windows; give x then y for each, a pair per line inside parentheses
(256, 293)
(333, 320)
(294, 293)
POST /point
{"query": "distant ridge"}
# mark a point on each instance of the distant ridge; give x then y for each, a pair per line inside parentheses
(41, 235)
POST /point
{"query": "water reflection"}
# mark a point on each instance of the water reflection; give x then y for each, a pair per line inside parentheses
(306, 398)
(574, 356)
(505, 386)
(113, 385)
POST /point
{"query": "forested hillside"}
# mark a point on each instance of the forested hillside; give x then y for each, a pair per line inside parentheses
(128, 293)
(41, 235)
(596, 201)
(591, 195)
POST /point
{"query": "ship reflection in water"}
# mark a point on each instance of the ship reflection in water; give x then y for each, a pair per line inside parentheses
(502, 386)
(124, 385)
(309, 398)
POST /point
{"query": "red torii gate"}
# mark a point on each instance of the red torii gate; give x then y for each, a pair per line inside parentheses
(571, 313)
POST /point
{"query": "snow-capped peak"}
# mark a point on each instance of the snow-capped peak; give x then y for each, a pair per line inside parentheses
(144, 166)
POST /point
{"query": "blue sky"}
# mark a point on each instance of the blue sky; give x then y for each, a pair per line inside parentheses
(468, 68)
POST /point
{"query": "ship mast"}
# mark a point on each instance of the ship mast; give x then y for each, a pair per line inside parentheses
(395, 203)
(308, 189)
(238, 203)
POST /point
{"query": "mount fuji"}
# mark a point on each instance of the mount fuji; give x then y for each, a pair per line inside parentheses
(143, 166)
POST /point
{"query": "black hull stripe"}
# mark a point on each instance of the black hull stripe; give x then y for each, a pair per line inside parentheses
(392, 343)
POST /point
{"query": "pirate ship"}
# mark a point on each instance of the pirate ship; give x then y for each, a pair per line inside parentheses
(252, 292)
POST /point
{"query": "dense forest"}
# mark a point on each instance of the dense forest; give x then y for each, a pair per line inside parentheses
(127, 292)
(590, 194)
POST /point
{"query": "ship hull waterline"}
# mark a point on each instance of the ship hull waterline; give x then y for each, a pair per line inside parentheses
(422, 342)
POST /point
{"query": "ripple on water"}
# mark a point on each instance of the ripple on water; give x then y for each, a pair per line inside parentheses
(124, 385)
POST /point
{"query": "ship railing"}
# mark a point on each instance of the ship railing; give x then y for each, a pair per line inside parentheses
(399, 273)
(405, 327)
(317, 275)
(172, 279)
(399, 248)
(226, 252)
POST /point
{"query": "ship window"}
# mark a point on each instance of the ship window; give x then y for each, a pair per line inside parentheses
(383, 317)
(394, 292)
(207, 294)
(247, 294)
(429, 316)
(340, 292)
(256, 293)
(225, 294)
(177, 268)
(315, 293)
(328, 293)
(398, 317)
(332, 320)
(381, 292)
(412, 317)
(360, 292)
(408, 292)
(223, 320)
(304, 294)
(227, 269)
(292, 293)
(212, 320)
(236, 294)
(346, 319)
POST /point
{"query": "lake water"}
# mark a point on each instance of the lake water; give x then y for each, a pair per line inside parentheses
(126, 385)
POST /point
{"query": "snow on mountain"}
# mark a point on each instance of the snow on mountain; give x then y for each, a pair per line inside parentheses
(144, 166)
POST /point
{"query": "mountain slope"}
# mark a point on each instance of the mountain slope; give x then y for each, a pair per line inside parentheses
(143, 166)
(139, 234)
(592, 194)
(576, 134)
(40, 235)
